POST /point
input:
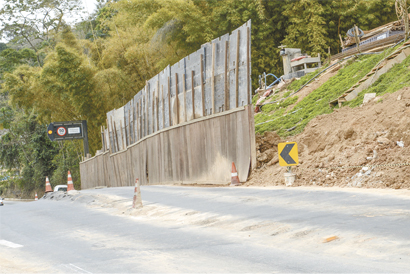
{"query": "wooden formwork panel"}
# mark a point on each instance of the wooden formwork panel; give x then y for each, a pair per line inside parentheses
(197, 152)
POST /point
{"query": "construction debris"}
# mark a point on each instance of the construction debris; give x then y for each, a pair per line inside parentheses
(375, 134)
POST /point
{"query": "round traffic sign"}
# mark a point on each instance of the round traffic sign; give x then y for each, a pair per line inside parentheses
(61, 131)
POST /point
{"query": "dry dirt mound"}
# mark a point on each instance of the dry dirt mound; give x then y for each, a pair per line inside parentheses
(366, 135)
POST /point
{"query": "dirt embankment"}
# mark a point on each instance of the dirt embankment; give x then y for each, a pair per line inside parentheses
(372, 134)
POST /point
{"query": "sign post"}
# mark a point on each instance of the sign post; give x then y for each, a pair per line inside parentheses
(288, 156)
(61, 131)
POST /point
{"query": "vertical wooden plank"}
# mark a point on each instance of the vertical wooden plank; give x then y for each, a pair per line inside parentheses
(141, 125)
(105, 140)
(169, 102)
(129, 126)
(237, 71)
(134, 107)
(153, 112)
(122, 136)
(226, 76)
(163, 106)
(252, 146)
(243, 144)
(193, 94)
(146, 109)
(213, 79)
(202, 86)
(248, 76)
(113, 136)
(137, 121)
(176, 96)
(184, 95)
(110, 143)
(157, 111)
(116, 136)
(156, 102)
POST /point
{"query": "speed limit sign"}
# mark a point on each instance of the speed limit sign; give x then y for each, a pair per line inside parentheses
(61, 131)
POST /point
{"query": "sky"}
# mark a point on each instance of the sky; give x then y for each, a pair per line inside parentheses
(89, 6)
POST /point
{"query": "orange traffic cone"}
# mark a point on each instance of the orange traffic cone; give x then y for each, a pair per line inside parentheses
(70, 185)
(48, 186)
(36, 198)
(234, 176)
(137, 202)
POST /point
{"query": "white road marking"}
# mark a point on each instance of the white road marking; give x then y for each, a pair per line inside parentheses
(76, 268)
(9, 244)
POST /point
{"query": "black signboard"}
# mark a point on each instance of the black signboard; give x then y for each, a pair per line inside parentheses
(60, 131)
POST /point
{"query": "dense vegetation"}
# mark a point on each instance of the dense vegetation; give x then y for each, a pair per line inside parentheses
(51, 70)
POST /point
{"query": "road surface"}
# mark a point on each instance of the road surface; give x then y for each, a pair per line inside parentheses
(194, 229)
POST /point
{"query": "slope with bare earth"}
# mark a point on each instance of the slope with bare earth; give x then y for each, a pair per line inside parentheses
(369, 135)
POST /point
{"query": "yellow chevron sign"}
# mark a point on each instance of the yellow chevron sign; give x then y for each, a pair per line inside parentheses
(288, 154)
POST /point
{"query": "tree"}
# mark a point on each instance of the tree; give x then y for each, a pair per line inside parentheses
(11, 58)
(341, 15)
(32, 23)
(64, 89)
(26, 151)
(307, 26)
(3, 46)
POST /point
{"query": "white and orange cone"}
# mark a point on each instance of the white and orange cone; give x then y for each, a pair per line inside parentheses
(35, 197)
(70, 185)
(234, 176)
(137, 201)
(48, 186)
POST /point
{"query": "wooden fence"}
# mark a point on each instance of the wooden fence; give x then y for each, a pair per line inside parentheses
(187, 125)
(200, 151)
(214, 79)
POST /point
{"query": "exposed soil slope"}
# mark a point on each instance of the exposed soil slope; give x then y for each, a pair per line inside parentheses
(365, 135)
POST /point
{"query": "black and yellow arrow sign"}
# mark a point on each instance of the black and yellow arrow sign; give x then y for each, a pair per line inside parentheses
(288, 154)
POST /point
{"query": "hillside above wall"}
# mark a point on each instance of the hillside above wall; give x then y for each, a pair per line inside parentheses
(354, 134)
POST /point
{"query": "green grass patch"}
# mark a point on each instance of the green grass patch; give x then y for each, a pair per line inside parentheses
(317, 102)
(393, 80)
(295, 85)
(287, 94)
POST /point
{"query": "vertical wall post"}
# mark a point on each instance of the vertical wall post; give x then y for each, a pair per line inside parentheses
(109, 140)
(226, 76)
(248, 70)
(163, 106)
(123, 138)
(129, 126)
(193, 94)
(169, 101)
(176, 96)
(153, 112)
(116, 136)
(184, 95)
(213, 78)
(237, 70)
(202, 86)
(146, 110)
(157, 110)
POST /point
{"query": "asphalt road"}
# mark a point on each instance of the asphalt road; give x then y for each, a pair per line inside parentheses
(192, 229)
